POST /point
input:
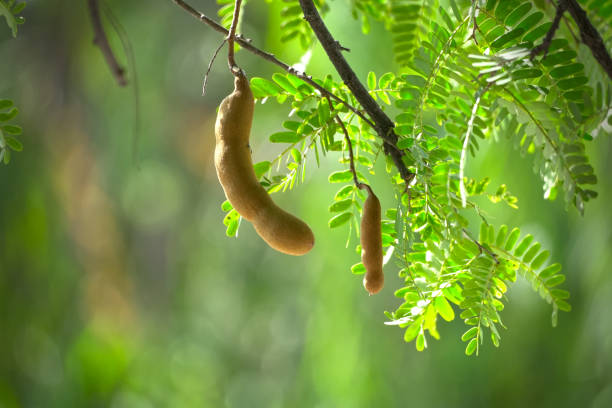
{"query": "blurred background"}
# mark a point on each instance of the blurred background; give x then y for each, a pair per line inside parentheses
(119, 288)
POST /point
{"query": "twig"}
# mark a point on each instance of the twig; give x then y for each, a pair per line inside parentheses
(383, 125)
(231, 37)
(481, 247)
(349, 143)
(101, 41)
(210, 64)
(131, 62)
(561, 7)
(246, 44)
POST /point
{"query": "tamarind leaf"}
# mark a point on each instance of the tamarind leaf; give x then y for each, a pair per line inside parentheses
(339, 206)
(261, 168)
(340, 219)
(10, 18)
(13, 143)
(262, 88)
(341, 176)
(284, 137)
(444, 308)
(358, 269)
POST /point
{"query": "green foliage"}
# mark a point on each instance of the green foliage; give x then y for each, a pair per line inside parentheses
(466, 78)
(10, 10)
(8, 132)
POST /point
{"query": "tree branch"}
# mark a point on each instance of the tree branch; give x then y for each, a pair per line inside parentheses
(383, 125)
(561, 7)
(101, 41)
(246, 44)
(589, 35)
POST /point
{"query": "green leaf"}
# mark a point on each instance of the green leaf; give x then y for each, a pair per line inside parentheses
(340, 219)
(11, 129)
(540, 259)
(344, 192)
(342, 176)
(471, 347)
(261, 168)
(555, 280)
(444, 308)
(470, 333)
(226, 206)
(371, 80)
(13, 143)
(285, 83)
(512, 238)
(412, 331)
(501, 235)
(523, 245)
(550, 270)
(358, 269)
(4, 117)
(5, 103)
(10, 18)
(339, 206)
(262, 87)
(405, 143)
(420, 342)
(531, 253)
(284, 137)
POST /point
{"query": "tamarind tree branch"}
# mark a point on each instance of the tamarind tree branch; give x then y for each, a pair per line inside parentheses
(543, 48)
(383, 125)
(246, 44)
(101, 41)
(588, 33)
(231, 37)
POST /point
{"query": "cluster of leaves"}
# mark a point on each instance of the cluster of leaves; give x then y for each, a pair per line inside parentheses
(8, 132)
(10, 10)
(467, 77)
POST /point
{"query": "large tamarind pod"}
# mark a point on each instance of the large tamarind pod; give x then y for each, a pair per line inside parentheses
(233, 154)
(281, 230)
(371, 244)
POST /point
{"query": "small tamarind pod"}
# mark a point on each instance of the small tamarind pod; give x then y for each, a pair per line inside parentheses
(281, 230)
(371, 243)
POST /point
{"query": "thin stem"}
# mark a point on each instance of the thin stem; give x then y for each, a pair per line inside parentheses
(466, 142)
(350, 149)
(210, 64)
(480, 246)
(246, 44)
(230, 39)
(101, 41)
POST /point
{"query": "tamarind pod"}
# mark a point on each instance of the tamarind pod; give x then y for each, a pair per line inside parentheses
(371, 244)
(283, 231)
(279, 229)
(233, 154)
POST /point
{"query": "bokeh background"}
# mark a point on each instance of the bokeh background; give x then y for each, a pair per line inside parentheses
(119, 288)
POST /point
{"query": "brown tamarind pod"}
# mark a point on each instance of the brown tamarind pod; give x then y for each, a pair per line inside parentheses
(281, 230)
(371, 244)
